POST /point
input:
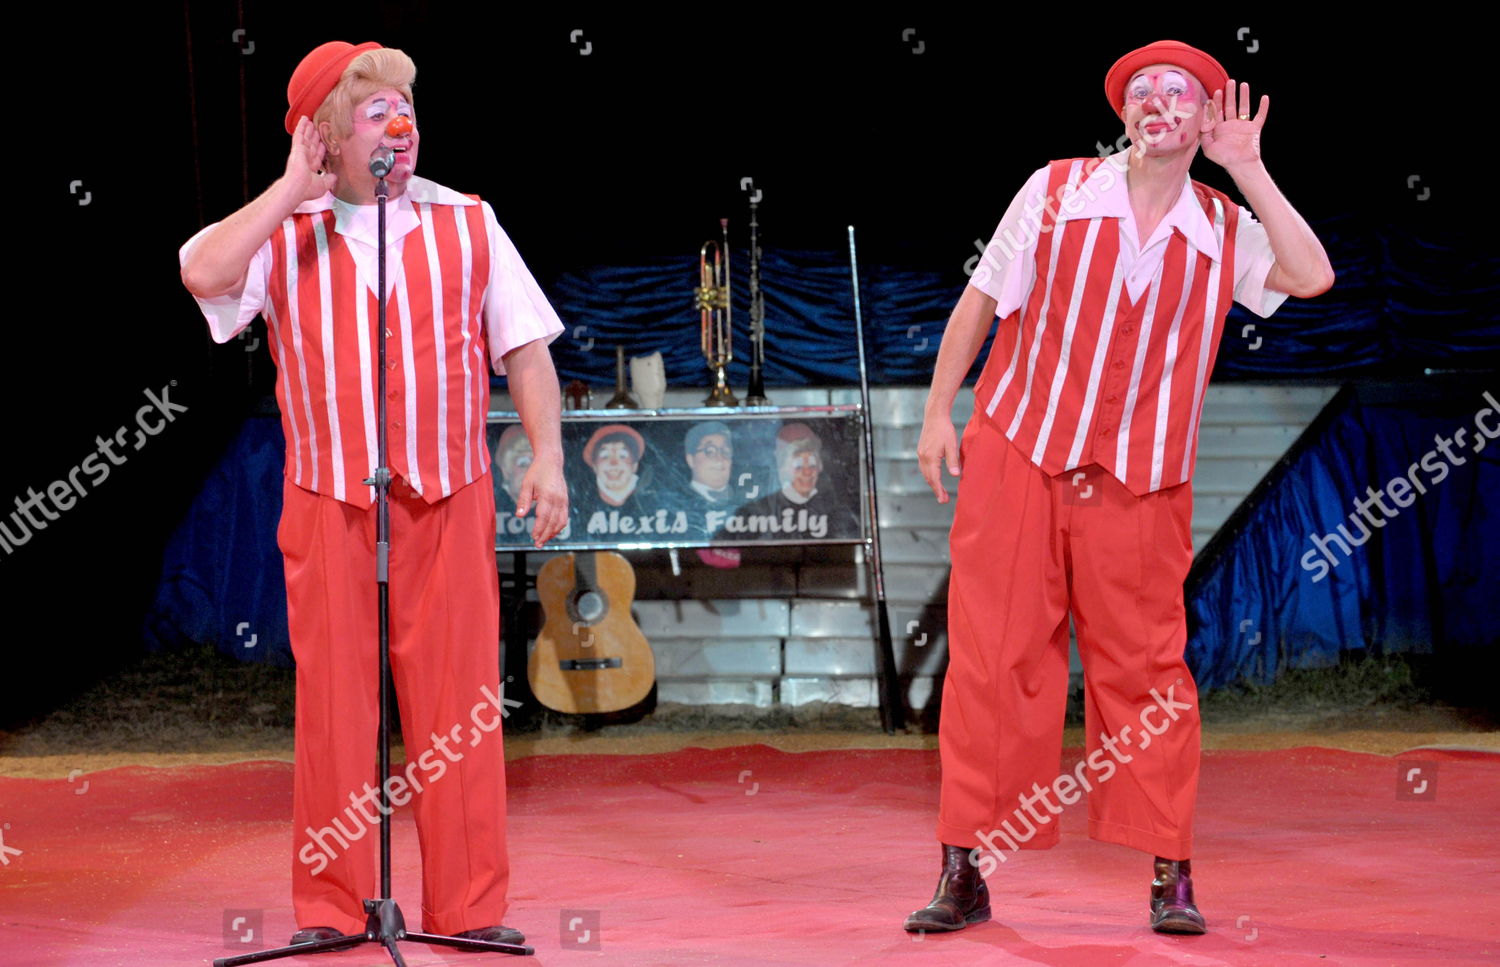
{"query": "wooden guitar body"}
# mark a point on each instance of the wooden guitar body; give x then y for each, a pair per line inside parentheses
(590, 655)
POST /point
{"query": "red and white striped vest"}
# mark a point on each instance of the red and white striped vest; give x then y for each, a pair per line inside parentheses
(1080, 374)
(321, 319)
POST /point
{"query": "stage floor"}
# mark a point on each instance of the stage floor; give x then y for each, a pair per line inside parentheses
(751, 855)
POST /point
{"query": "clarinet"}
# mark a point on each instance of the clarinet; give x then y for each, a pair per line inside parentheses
(755, 394)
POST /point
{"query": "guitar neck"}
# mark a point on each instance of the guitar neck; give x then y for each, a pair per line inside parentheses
(586, 572)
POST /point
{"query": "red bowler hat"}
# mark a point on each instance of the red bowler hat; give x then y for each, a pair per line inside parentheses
(317, 76)
(1208, 72)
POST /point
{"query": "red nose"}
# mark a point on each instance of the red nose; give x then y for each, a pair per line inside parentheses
(400, 125)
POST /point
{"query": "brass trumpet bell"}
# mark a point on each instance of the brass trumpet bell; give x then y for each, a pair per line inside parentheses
(715, 329)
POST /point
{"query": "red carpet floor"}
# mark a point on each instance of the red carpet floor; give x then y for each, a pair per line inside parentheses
(753, 856)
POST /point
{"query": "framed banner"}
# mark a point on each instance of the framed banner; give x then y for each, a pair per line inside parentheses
(696, 477)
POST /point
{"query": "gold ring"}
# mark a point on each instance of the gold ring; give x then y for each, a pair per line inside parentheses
(1244, 117)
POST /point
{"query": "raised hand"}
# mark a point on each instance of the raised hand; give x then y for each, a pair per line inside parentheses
(305, 163)
(1231, 137)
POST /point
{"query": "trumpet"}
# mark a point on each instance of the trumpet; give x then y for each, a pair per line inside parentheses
(715, 328)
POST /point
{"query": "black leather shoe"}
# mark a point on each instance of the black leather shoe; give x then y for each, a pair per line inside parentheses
(1172, 908)
(313, 935)
(961, 897)
(494, 935)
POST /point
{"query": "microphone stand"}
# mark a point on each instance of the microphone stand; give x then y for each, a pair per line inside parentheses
(384, 923)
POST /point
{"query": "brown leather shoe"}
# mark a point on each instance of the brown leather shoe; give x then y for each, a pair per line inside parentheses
(313, 935)
(494, 935)
(1172, 908)
(961, 898)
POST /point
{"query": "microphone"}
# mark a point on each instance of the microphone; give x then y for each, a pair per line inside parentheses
(382, 159)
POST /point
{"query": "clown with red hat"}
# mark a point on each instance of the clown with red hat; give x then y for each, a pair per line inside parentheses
(1110, 278)
(461, 302)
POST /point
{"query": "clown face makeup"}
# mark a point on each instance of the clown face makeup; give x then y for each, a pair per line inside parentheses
(1163, 110)
(802, 471)
(613, 464)
(371, 116)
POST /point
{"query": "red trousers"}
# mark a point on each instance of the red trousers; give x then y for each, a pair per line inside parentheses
(445, 620)
(1028, 549)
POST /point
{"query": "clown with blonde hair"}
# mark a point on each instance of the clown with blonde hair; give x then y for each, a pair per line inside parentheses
(461, 302)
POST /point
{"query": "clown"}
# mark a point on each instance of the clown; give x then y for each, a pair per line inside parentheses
(461, 301)
(614, 452)
(799, 462)
(514, 456)
(1110, 279)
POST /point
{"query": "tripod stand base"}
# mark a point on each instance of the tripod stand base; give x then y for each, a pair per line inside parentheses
(439, 940)
(384, 925)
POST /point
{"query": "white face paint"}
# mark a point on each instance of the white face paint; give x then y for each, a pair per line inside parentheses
(379, 107)
(1169, 83)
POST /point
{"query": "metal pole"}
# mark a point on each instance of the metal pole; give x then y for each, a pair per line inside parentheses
(892, 706)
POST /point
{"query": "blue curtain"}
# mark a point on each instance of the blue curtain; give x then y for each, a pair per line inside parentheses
(1401, 303)
(222, 582)
(1422, 579)
(648, 307)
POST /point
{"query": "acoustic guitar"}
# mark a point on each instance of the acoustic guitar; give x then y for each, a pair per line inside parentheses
(590, 655)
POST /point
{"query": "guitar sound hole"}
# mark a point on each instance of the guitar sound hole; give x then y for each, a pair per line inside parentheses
(591, 606)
